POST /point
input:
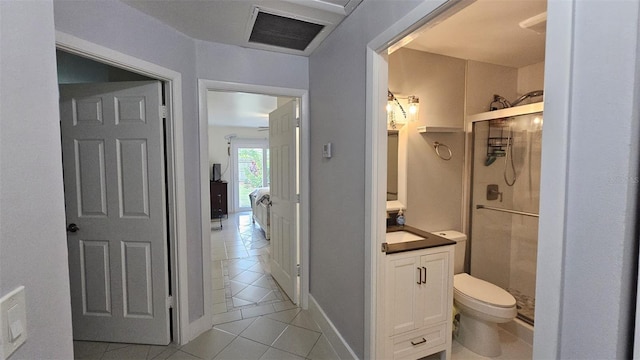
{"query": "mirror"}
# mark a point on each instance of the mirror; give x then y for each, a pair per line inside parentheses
(396, 169)
(392, 165)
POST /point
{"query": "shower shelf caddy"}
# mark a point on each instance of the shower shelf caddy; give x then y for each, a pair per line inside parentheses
(497, 141)
(498, 128)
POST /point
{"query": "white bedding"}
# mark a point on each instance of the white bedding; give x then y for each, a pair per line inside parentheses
(261, 208)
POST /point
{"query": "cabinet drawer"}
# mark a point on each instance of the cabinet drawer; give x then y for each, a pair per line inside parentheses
(419, 343)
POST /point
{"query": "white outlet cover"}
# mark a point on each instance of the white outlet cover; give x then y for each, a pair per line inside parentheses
(13, 322)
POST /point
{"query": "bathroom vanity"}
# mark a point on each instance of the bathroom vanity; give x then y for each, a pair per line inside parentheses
(418, 294)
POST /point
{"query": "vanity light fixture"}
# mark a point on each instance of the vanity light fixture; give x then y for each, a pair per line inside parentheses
(395, 120)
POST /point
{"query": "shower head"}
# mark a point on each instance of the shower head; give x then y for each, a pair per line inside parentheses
(506, 104)
(528, 95)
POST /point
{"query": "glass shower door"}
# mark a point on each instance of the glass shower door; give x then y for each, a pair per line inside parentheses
(505, 197)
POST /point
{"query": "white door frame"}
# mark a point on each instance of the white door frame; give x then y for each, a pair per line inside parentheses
(175, 165)
(553, 179)
(204, 86)
(233, 177)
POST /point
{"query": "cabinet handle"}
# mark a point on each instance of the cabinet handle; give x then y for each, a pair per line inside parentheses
(419, 276)
(425, 275)
(419, 342)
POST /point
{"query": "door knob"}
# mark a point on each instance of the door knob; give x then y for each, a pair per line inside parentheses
(72, 228)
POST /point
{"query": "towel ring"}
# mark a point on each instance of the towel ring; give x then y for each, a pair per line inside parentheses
(437, 146)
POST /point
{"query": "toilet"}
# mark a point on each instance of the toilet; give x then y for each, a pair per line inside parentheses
(482, 305)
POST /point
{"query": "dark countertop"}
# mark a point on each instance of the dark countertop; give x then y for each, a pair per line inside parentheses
(430, 240)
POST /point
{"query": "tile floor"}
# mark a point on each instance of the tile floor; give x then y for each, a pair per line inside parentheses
(512, 349)
(253, 318)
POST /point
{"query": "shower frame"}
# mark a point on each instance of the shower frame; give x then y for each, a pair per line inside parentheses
(467, 196)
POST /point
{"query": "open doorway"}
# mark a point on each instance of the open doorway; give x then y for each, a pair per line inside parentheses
(250, 248)
(435, 60)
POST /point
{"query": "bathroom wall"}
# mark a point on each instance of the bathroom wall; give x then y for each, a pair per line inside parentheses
(434, 186)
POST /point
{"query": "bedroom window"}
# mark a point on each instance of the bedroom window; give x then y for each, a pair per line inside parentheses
(252, 170)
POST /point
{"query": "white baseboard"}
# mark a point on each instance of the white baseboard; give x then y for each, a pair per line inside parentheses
(332, 334)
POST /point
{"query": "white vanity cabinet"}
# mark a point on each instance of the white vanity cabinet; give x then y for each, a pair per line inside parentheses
(418, 303)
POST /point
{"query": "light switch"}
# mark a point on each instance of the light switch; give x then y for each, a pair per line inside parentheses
(13, 322)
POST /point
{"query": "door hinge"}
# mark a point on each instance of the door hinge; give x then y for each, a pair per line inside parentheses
(298, 198)
(298, 269)
(163, 111)
(297, 122)
(170, 302)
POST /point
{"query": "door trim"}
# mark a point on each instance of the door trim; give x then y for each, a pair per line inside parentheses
(175, 170)
(205, 85)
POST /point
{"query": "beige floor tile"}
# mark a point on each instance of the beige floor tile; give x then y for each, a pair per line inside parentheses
(219, 308)
(304, 319)
(84, 349)
(275, 354)
(284, 305)
(257, 311)
(227, 317)
(247, 277)
(244, 349)
(181, 355)
(209, 344)
(236, 327)
(264, 330)
(253, 293)
(129, 352)
(322, 350)
(285, 316)
(297, 340)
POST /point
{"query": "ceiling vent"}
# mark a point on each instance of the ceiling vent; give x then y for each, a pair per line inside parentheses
(283, 31)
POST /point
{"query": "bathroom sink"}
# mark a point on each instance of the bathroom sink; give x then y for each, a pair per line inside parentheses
(402, 236)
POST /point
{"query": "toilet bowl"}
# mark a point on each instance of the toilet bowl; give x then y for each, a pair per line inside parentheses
(481, 304)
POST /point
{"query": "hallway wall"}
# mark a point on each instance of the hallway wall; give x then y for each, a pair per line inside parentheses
(33, 240)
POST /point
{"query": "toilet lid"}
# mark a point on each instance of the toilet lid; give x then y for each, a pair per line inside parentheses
(482, 291)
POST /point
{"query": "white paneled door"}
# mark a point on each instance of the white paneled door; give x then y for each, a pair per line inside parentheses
(113, 159)
(283, 189)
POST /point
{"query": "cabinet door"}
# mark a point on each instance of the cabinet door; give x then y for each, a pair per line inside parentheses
(433, 292)
(402, 278)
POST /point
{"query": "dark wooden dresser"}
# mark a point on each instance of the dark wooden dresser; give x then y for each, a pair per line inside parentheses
(218, 197)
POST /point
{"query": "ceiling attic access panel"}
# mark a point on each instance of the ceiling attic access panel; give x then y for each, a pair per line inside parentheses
(282, 31)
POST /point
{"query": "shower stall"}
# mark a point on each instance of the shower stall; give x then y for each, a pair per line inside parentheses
(505, 189)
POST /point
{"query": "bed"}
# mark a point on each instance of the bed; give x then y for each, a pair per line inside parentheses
(261, 208)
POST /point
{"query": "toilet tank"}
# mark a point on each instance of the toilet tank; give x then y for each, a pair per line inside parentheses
(460, 247)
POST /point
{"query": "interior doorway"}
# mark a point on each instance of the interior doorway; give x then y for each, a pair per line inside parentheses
(426, 20)
(103, 60)
(247, 161)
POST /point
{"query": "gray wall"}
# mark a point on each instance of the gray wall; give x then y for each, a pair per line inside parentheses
(337, 86)
(117, 26)
(434, 185)
(602, 182)
(33, 245)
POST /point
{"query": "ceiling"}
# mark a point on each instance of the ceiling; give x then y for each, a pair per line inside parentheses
(486, 31)
(240, 109)
(230, 21)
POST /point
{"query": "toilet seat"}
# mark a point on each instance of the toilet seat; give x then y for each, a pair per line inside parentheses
(483, 296)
